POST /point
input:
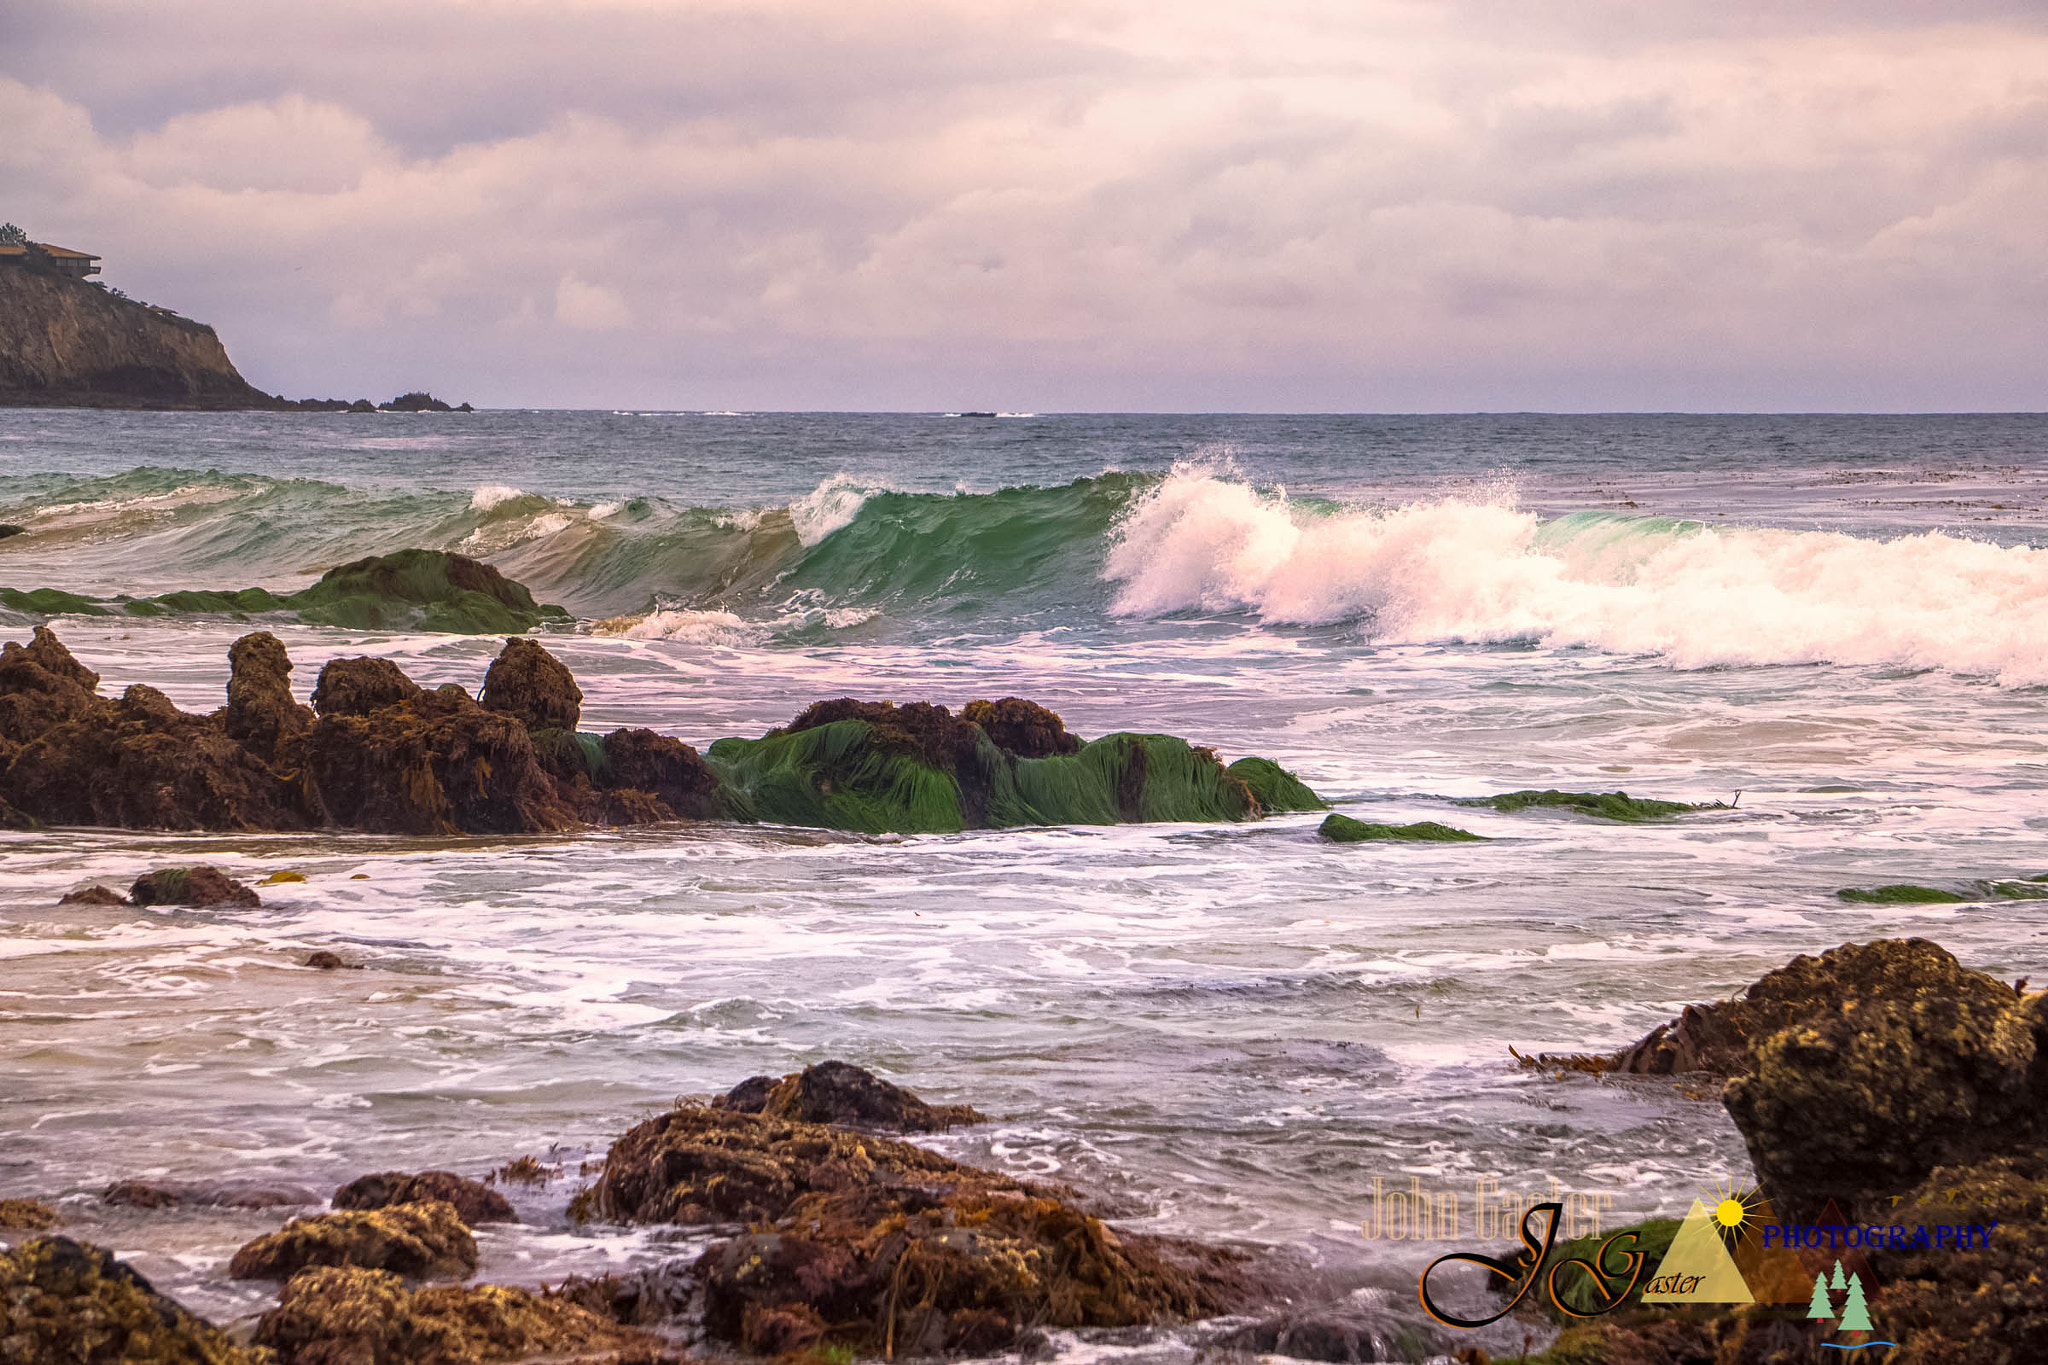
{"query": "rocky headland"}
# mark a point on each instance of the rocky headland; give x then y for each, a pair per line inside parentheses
(68, 342)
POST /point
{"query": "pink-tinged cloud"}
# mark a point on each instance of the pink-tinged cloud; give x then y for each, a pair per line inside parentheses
(1053, 205)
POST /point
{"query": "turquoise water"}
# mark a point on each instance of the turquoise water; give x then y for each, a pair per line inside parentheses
(1228, 1032)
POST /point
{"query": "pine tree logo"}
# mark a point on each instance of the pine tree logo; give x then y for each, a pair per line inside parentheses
(1820, 1308)
(1855, 1313)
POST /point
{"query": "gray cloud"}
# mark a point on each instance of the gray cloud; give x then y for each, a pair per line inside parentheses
(1038, 204)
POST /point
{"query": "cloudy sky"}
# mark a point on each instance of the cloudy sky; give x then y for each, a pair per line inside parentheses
(1360, 205)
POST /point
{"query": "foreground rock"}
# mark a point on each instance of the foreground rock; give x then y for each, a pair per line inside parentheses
(377, 752)
(841, 1093)
(418, 1241)
(191, 886)
(66, 1301)
(473, 1201)
(1718, 1038)
(348, 1316)
(1884, 1087)
(864, 1242)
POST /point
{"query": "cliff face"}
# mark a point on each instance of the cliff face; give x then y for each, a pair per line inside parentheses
(66, 343)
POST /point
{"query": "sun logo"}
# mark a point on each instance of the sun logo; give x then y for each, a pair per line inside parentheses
(1730, 1209)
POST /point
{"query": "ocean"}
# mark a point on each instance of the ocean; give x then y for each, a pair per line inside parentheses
(1232, 1032)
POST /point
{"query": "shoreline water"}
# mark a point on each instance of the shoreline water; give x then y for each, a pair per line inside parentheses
(1226, 1031)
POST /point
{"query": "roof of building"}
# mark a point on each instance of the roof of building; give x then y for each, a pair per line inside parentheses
(64, 252)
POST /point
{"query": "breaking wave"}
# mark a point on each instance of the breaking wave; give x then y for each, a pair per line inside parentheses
(1146, 550)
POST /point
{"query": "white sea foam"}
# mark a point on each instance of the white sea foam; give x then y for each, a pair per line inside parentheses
(1485, 571)
(697, 627)
(826, 508)
(490, 495)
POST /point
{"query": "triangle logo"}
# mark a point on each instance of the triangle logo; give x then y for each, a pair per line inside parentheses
(1697, 1268)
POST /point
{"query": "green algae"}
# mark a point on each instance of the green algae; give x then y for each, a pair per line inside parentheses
(1275, 788)
(848, 775)
(51, 602)
(421, 590)
(1900, 893)
(426, 590)
(1606, 805)
(1345, 830)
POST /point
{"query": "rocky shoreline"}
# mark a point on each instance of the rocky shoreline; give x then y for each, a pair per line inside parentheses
(1878, 1086)
(376, 752)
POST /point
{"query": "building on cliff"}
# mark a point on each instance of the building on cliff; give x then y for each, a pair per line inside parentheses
(61, 260)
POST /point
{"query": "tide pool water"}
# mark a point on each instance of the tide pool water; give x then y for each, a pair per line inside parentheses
(1229, 1032)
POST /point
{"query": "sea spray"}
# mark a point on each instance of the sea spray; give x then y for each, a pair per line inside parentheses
(1694, 595)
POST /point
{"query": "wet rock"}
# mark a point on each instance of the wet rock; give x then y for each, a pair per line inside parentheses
(1606, 805)
(750, 1096)
(640, 1298)
(140, 763)
(842, 1093)
(931, 734)
(1985, 1302)
(349, 1316)
(473, 1201)
(322, 960)
(261, 713)
(869, 1242)
(1342, 829)
(1860, 1102)
(664, 767)
(533, 687)
(207, 1194)
(191, 886)
(361, 686)
(421, 590)
(418, 1241)
(1900, 893)
(1021, 727)
(26, 1215)
(1716, 1038)
(70, 1303)
(93, 895)
(41, 686)
(433, 764)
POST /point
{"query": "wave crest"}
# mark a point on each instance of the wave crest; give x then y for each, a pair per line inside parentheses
(1486, 572)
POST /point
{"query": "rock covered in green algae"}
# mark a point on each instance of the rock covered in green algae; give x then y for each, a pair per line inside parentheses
(70, 1302)
(871, 1243)
(1343, 829)
(419, 1241)
(842, 1093)
(1899, 893)
(1274, 787)
(1606, 805)
(430, 590)
(333, 1315)
(1717, 1038)
(421, 590)
(878, 768)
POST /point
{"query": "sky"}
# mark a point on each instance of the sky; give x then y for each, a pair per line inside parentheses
(1052, 205)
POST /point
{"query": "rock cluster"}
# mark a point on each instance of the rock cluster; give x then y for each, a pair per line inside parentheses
(377, 752)
(473, 1201)
(1877, 1084)
(62, 1300)
(420, 1241)
(865, 1242)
